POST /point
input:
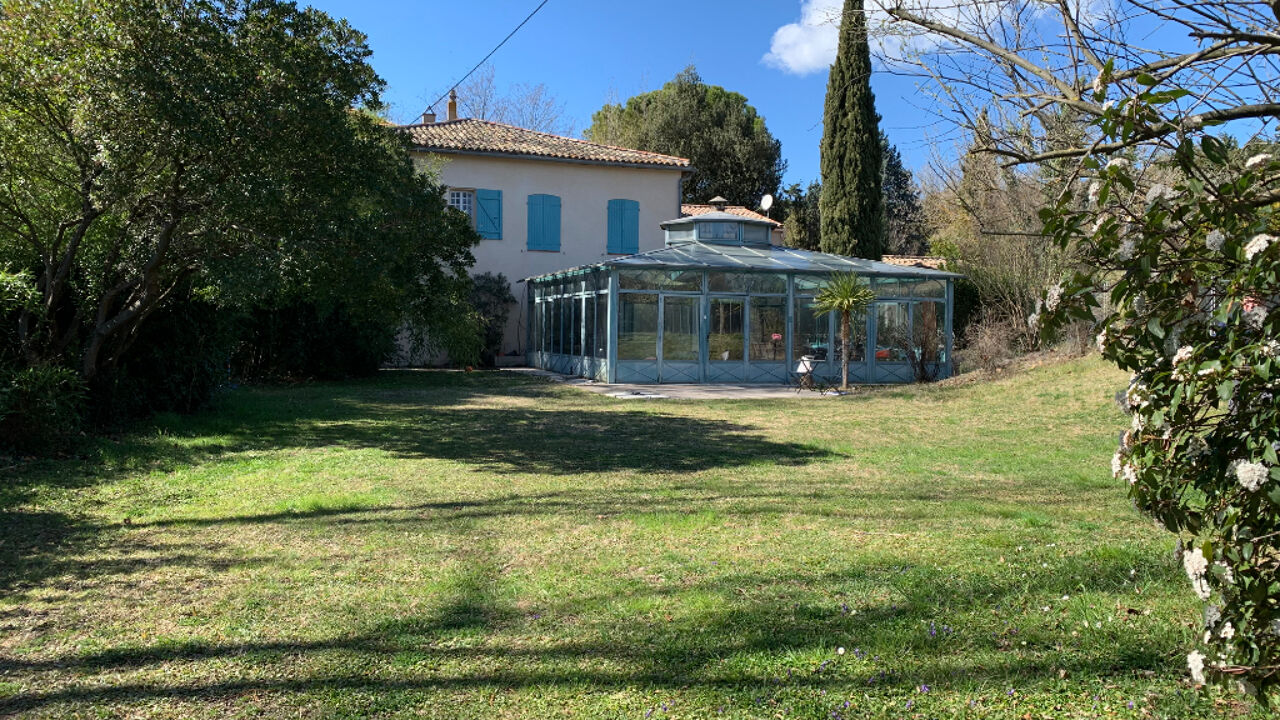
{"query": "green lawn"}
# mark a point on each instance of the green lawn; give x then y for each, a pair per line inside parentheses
(429, 544)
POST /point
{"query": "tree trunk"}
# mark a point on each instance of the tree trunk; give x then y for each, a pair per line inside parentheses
(844, 355)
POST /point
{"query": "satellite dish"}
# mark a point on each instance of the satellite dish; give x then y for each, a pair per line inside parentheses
(766, 202)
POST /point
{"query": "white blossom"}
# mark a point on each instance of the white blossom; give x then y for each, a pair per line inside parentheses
(1095, 188)
(1130, 473)
(1255, 316)
(1228, 576)
(1101, 340)
(1212, 614)
(1053, 298)
(1194, 563)
(1119, 162)
(1215, 240)
(1124, 253)
(1258, 245)
(1195, 663)
(1117, 464)
(1098, 83)
(1271, 348)
(1256, 160)
(1251, 475)
(1033, 321)
(1184, 354)
(1227, 632)
(1160, 192)
(1201, 587)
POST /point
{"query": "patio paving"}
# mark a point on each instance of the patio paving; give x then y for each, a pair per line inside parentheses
(624, 391)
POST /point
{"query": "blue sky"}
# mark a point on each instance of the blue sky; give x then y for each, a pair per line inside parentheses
(590, 51)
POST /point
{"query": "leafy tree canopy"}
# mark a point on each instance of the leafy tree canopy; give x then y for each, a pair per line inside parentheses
(732, 151)
(227, 149)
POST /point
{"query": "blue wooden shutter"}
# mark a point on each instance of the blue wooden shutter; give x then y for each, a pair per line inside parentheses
(615, 226)
(630, 226)
(535, 222)
(544, 222)
(551, 221)
(489, 214)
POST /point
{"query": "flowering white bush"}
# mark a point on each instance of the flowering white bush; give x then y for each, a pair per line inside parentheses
(1191, 275)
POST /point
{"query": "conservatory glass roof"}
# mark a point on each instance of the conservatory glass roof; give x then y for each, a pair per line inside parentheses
(699, 255)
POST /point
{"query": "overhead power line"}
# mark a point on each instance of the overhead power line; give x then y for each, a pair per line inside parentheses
(491, 52)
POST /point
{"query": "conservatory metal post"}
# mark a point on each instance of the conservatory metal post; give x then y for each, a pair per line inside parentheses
(611, 355)
(790, 326)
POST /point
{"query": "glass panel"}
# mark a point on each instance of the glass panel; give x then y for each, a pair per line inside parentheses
(553, 307)
(768, 283)
(887, 287)
(579, 325)
(683, 280)
(755, 234)
(731, 282)
(682, 235)
(924, 288)
(680, 329)
(547, 307)
(768, 330)
(535, 328)
(857, 338)
(637, 327)
(893, 326)
(718, 231)
(602, 325)
(927, 331)
(811, 333)
(566, 325)
(810, 282)
(724, 337)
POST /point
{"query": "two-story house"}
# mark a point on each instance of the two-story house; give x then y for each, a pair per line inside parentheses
(543, 203)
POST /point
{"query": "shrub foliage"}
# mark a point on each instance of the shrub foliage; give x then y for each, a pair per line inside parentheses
(1190, 277)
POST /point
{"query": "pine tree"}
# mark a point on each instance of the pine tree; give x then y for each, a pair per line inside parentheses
(903, 216)
(852, 200)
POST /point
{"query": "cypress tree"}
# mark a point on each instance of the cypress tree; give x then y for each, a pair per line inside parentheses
(852, 201)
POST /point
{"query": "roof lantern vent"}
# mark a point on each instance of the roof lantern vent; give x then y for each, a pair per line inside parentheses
(719, 203)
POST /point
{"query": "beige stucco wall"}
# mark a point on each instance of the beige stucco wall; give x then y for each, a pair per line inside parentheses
(584, 191)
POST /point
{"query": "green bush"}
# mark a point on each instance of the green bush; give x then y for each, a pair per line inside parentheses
(304, 342)
(41, 408)
(179, 360)
(492, 299)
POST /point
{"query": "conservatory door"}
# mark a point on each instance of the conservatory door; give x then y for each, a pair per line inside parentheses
(681, 359)
(726, 340)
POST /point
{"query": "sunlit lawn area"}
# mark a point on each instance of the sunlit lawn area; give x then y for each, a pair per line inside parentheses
(429, 544)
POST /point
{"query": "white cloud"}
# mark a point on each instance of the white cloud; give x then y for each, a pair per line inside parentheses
(807, 46)
(810, 44)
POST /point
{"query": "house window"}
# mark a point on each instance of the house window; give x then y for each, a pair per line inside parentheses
(464, 200)
(624, 227)
(544, 222)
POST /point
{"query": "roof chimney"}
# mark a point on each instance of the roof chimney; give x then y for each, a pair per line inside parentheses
(429, 117)
(453, 105)
(719, 203)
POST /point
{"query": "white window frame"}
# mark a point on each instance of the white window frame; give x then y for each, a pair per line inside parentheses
(457, 197)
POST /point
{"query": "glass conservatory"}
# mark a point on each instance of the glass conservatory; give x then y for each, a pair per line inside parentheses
(719, 304)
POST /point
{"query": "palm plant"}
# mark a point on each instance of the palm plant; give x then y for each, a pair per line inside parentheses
(846, 294)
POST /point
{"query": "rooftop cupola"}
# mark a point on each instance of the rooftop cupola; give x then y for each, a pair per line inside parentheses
(720, 227)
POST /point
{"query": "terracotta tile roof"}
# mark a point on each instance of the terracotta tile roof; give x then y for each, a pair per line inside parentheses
(920, 261)
(694, 209)
(485, 136)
